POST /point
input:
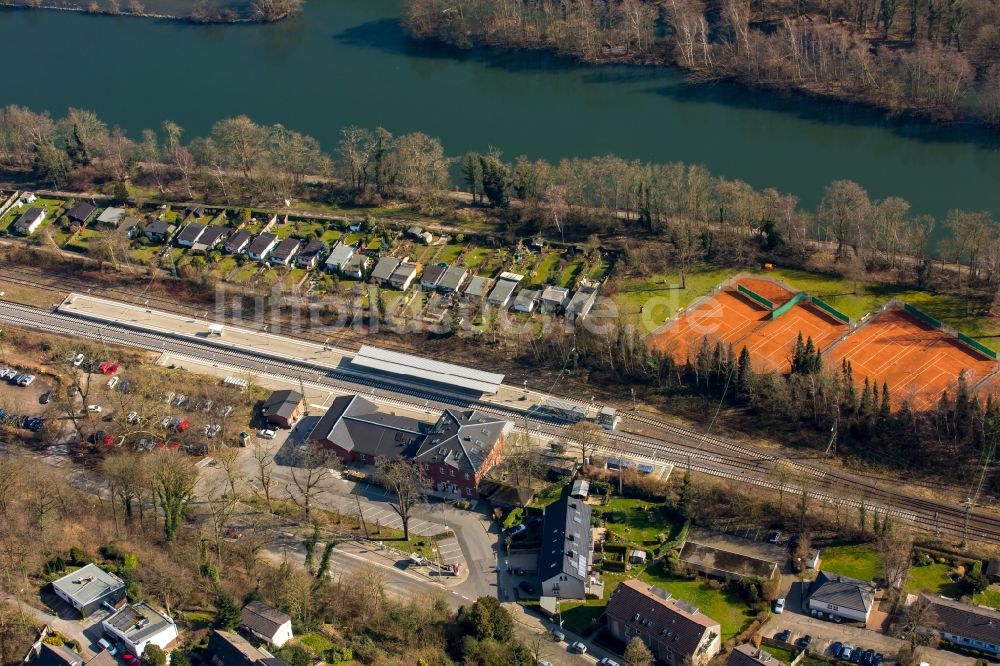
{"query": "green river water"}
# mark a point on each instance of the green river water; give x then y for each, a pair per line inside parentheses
(347, 62)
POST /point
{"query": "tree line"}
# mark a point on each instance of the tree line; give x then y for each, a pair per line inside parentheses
(939, 58)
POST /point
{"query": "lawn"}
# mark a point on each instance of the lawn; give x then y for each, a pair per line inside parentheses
(990, 597)
(331, 236)
(476, 256)
(722, 605)
(243, 273)
(568, 276)
(450, 253)
(144, 255)
(855, 561)
(661, 296)
(932, 578)
(600, 270)
(645, 521)
(53, 207)
(544, 269)
(317, 642)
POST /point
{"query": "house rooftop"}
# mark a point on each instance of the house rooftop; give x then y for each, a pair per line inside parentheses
(282, 404)
(463, 440)
(191, 233)
(237, 241)
(566, 539)
(88, 584)
(433, 274)
(842, 591)
(139, 621)
(355, 424)
(262, 619)
(111, 215)
(748, 655)
(452, 278)
(80, 212)
(339, 255)
(213, 234)
(477, 286)
(385, 267)
(966, 620)
(57, 655)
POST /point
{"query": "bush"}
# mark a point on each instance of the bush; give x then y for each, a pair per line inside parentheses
(77, 557)
(975, 582)
(55, 565)
(616, 516)
(922, 560)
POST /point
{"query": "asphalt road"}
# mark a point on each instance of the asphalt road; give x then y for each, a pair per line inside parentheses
(674, 444)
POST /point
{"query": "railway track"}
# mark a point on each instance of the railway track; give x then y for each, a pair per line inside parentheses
(678, 446)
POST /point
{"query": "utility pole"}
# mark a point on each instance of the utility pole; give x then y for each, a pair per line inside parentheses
(302, 390)
(362, 516)
(832, 446)
(965, 522)
(634, 407)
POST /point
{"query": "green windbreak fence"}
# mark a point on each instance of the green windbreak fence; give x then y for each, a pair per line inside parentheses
(922, 316)
(755, 296)
(830, 310)
(978, 346)
(782, 309)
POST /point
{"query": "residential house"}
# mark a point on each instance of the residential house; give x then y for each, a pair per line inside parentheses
(339, 256)
(461, 450)
(284, 251)
(419, 235)
(840, 596)
(237, 242)
(129, 226)
(81, 213)
(266, 623)
(139, 625)
(502, 293)
(725, 564)
(477, 289)
(29, 221)
(190, 234)
(452, 279)
(213, 235)
(580, 489)
(283, 408)
(56, 655)
(226, 648)
(432, 276)
(583, 300)
(111, 216)
(553, 298)
(310, 254)
(384, 269)
(749, 655)
(403, 276)
(526, 300)
(512, 277)
(262, 246)
(356, 266)
(89, 588)
(159, 231)
(26, 199)
(357, 432)
(673, 630)
(566, 550)
(963, 625)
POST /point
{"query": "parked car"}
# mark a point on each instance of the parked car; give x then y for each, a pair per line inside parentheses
(578, 648)
(607, 661)
(45, 397)
(879, 658)
(783, 636)
(805, 641)
(836, 648)
(78, 361)
(132, 418)
(130, 659)
(526, 587)
(104, 643)
(558, 635)
(108, 367)
(868, 658)
(95, 409)
(113, 382)
(846, 652)
(517, 529)
(779, 605)
(856, 655)
(268, 434)
(774, 537)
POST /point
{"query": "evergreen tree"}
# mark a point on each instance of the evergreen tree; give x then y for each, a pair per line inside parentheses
(744, 373)
(227, 613)
(797, 355)
(884, 410)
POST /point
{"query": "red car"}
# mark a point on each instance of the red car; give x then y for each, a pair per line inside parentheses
(183, 425)
(108, 367)
(130, 659)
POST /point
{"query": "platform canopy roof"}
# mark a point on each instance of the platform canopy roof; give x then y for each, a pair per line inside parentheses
(427, 370)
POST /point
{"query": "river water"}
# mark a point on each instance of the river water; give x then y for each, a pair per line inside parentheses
(347, 62)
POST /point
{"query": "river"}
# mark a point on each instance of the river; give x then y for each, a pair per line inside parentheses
(347, 62)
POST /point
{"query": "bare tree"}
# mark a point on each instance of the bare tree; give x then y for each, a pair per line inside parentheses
(586, 437)
(265, 464)
(310, 479)
(229, 460)
(407, 482)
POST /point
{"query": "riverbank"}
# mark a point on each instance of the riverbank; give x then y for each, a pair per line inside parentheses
(200, 13)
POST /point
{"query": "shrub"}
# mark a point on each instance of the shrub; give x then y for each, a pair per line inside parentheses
(77, 557)
(616, 516)
(55, 564)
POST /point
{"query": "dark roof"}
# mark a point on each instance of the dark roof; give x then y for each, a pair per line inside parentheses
(992, 568)
(965, 620)
(80, 212)
(433, 274)
(726, 561)
(261, 243)
(566, 542)
(213, 235)
(652, 613)
(452, 278)
(285, 248)
(281, 403)
(191, 233)
(312, 249)
(582, 302)
(231, 649)
(29, 218)
(463, 440)
(139, 621)
(263, 620)
(159, 227)
(850, 593)
(748, 655)
(385, 267)
(57, 655)
(355, 424)
(237, 241)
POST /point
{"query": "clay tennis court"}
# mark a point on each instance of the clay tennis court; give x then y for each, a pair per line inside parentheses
(917, 360)
(771, 346)
(728, 316)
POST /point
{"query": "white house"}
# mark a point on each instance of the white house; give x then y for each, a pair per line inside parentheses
(26, 199)
(88, 588)
(140, 624)
(29, 222)
(266, 623)
(843, 597)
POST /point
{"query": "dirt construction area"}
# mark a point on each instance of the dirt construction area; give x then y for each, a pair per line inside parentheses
(917, 361)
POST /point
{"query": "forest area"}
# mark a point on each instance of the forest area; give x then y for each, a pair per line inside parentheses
(938, 59)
